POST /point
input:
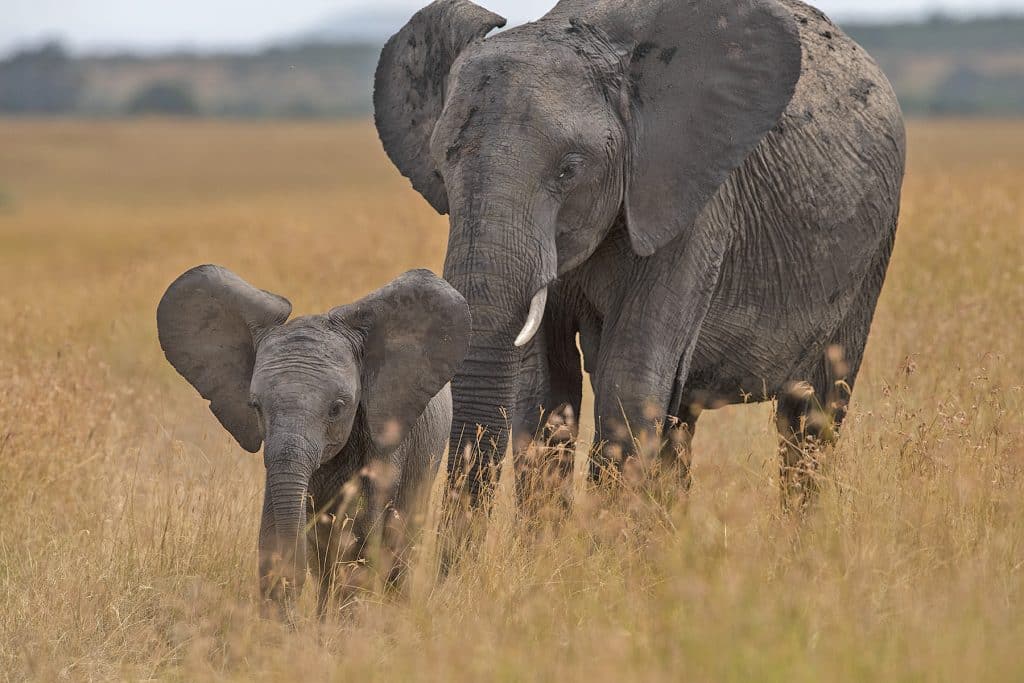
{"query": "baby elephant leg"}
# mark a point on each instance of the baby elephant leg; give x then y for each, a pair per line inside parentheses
(338, 536)
(368, 538)
(405, 511)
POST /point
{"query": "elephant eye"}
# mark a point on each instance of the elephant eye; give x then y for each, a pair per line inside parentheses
(569, 167)
(254, 404)
(335, 410)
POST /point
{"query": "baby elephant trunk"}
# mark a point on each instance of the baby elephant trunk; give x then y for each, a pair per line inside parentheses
(282, 536)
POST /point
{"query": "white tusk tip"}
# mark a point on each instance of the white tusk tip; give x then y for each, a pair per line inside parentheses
(533, 319)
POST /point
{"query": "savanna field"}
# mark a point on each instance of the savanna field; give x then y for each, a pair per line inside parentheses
(128, 517)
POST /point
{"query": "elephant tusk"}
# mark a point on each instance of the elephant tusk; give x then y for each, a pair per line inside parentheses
(533, 320)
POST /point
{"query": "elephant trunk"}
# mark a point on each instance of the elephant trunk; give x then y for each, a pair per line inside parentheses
(505, 286)
(282, 544)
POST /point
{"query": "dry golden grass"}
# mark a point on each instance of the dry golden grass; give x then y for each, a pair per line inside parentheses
(128, 518)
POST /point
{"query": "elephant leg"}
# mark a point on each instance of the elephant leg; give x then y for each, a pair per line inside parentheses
(545, 425)
(651, 320)
(396, 544)
(400, 535)
(336, 538)
(322, 557)
(632, 392)
(811, 410)
(676, 454)
(805, 430)
(358, 538)
(388, 530)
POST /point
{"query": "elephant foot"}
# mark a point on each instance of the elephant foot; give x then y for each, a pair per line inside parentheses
(279, 606)
(462, 529)
(800, 473)
(365, 563)
(661, 452)
(544, 467)
(808, 430)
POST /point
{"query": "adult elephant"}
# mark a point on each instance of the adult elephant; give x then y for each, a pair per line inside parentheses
(705, 192)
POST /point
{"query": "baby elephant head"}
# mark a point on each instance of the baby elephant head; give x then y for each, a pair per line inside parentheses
(305, 387)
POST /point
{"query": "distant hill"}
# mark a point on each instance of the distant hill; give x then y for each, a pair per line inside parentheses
(939, 67)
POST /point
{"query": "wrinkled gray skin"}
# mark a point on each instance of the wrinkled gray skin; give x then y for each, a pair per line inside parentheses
(358, 394)
(709, 191)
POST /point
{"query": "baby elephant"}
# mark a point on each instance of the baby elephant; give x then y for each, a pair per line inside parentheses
(353, 405)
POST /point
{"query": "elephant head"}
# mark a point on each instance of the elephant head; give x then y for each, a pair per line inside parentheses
(539, 140)
(307, 387)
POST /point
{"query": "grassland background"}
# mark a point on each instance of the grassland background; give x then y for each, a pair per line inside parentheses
(128, 519)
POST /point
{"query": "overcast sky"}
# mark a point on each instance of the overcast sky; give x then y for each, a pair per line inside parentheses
(163, 24)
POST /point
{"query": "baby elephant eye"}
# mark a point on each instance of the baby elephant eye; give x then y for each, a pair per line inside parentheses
(335, 410)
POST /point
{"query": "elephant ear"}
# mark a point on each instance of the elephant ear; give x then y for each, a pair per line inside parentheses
(209, 322)
(414, 332)
(710, 79)
(409, 87)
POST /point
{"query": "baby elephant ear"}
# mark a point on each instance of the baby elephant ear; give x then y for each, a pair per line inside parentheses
(409, 87)
(414, 332)
(209, 321)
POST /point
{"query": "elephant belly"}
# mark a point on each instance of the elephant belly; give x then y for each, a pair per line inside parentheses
(780, 301)
(747, 354)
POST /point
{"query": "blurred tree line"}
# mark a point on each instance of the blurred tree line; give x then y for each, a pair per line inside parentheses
(40, 81)
(293, 81)
(943, 66)
(939, 67)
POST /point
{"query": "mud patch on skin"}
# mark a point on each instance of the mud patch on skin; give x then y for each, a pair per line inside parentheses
(862, 90)
(641, 51)
(456, 146)
(734, 52)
